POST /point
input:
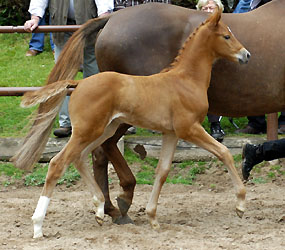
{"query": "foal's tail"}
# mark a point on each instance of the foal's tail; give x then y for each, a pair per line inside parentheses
(56, 89)
(66, 68)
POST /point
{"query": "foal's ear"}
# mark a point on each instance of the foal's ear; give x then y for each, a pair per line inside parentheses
(215, 17)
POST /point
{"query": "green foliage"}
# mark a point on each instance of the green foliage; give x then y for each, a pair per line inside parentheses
(259, 180)
(146, 174)
(14, 12)
(38, 176)
(9, 170)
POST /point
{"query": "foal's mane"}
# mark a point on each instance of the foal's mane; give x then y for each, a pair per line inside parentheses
(185, 44)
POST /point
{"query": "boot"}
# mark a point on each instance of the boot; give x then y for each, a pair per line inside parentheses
(63, 132)
(251, 155)
(217, 132)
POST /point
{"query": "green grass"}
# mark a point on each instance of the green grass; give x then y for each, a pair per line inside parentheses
(37, 176)
(146, 173)
(17, 70)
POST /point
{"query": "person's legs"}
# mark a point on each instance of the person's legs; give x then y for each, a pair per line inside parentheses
(64, 121)
(254, 154)
(281, 123)
(256, 125)
(272, 150)
(50, 40)
(90, 67)
(216, 130)
(36, 44)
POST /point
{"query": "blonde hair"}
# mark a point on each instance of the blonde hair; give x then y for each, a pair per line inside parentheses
(202, 3)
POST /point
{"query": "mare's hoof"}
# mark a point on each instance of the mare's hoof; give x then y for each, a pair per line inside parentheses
(239, 212)
(123, 206)
(123, 220)
(99, 220)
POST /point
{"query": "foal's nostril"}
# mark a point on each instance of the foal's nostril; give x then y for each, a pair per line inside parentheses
(248, 55)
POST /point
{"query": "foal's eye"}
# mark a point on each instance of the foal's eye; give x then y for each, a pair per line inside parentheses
(227, 37)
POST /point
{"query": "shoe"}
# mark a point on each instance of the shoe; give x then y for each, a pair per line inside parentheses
(131, 131)
(63, 132)
(249, 130)
(216, 131)
(281, 130)
(32, 52)
(251, 156)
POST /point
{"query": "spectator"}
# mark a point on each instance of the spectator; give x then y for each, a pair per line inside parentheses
(62, 13)
(216, 129)
(254, 154)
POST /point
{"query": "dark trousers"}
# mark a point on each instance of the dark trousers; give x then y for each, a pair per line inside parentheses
(259, 122)
(272, 150)
(213, 118)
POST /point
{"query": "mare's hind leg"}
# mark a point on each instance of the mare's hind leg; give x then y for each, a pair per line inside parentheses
(169, 142)
(100, 170)
(57, 166)
(127, 179)
(200, 137)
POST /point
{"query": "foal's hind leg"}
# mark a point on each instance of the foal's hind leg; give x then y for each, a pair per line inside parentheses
(167, 152)
(57, 166)
(200, 137)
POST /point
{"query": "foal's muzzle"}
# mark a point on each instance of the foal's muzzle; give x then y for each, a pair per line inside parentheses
(243, 56)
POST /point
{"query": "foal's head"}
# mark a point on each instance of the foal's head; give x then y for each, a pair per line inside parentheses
(223, 42)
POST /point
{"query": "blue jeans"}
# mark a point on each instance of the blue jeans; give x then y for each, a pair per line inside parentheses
(38, 39)
(243, 6)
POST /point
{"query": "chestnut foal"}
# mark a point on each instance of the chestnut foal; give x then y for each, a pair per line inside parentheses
(173, 102)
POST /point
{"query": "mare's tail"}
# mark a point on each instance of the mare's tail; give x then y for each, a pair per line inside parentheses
(66, 68)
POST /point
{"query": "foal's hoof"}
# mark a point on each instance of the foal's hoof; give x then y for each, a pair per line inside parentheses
(123, 220)
(123, 206)
(239, 212)
(99, 220)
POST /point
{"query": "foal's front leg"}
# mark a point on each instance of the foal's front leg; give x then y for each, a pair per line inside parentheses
(201, 138)
(169, 142)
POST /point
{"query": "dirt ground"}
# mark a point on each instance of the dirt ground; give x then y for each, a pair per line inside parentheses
(201, 216)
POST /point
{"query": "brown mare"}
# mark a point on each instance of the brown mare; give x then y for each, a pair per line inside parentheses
(128, 47)
(174, 102)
